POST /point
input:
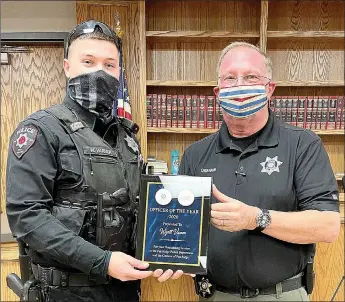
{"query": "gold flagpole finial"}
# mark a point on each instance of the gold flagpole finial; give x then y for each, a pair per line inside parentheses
(119, 32)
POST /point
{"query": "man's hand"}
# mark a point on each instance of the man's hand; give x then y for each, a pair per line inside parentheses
(168, 274)
(231, 214)
(126, 268)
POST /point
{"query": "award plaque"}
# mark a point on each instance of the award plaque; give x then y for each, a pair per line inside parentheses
(173, 222)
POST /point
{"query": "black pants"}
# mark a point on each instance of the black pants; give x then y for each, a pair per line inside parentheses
(115, 291)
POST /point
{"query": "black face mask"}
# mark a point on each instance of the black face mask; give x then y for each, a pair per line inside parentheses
(96, 92)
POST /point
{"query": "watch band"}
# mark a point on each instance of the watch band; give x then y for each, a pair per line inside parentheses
(260, 228)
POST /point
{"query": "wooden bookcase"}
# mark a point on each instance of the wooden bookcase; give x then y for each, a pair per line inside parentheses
(305, 40)
(172, 47)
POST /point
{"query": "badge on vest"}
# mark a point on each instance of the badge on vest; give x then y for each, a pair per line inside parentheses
(131, 144)
(23, 139)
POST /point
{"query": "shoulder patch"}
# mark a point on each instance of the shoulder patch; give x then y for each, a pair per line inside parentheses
(23, 139)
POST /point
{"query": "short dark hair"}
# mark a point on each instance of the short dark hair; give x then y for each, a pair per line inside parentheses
(97, 35)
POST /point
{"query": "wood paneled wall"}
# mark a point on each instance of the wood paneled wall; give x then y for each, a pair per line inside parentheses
(329, 269)
(312, 60)
(187, 59)
(232, 16)
(9, 264)
(33, 81)
(306, 15)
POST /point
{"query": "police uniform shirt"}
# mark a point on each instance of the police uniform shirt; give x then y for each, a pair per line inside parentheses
(32, 172)
(285, 169)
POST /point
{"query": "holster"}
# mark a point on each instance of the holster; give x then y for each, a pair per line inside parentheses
(309, 277)
(115, 219)
(32, 291)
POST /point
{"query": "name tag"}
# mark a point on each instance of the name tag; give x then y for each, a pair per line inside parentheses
(101, 151)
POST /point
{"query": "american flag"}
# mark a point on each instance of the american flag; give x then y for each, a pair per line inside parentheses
(123, 102)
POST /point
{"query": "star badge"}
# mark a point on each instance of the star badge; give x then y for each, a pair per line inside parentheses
(271, 165)
(205, 288)
(22, 140)
(132, 144)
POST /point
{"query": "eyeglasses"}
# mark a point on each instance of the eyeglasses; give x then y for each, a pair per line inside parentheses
(249, 79)
(88, 27)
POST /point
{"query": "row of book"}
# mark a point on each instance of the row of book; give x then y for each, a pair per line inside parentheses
(203, 111)
(311, 112)
(183, 111)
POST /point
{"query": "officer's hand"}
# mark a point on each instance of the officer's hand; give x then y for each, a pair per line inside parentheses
(168, 274)
(231, 214)
(123, 267)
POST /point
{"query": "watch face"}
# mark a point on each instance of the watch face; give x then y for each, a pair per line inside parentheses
(264, 219)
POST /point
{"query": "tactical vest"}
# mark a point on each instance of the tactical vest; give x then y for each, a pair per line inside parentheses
(94, 168)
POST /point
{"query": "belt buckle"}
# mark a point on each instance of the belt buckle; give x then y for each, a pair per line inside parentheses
(248, 292)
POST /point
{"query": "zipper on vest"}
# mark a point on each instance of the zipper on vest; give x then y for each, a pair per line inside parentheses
(90, 160)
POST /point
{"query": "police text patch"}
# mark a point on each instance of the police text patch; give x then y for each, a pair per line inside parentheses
(23, 139)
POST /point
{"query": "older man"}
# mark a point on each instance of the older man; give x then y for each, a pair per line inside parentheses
(275, 194)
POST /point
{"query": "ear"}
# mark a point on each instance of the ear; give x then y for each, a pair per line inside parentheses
(66, 67)
(216, 91)
(270, 89)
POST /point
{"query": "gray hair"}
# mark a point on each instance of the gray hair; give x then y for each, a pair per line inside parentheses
(233, 45)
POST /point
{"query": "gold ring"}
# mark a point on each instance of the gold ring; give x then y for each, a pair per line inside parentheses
(222, 222)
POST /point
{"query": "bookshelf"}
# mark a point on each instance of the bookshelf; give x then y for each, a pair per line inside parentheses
(210, 131)
(339, 83)
(199, 34)
(333, 34)
(305, 41)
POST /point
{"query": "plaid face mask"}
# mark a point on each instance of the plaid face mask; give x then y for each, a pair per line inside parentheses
(242, 101)
(96, 92)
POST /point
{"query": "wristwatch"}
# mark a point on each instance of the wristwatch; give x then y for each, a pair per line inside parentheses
(263, 220)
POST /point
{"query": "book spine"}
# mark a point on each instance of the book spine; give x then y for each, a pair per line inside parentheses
(169, 101)
(210, 112)
(202, 111)
(277, 104)
(174, 111)
(149, 110)
(324, 113)
(164, 111)
(181, 109)
(288, 103)
(294, 110)
(159, 110)
(154, 110)
(338, 112)
(309, 115)
(332, 112)
(188, 112)
(194, 118)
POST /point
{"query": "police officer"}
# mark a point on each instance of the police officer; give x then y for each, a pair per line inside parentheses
(275, 194)
(72, 181)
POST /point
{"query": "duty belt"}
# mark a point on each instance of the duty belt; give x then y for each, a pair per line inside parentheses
(285, 286)
(54, 277)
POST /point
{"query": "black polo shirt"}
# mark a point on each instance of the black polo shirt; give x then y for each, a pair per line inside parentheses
(285, 169)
